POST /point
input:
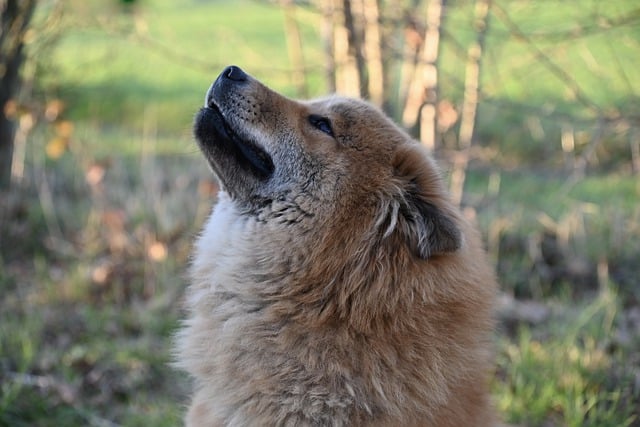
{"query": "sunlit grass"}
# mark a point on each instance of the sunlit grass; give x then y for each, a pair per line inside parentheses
(561, 375)
(165, 57)
(112, 67)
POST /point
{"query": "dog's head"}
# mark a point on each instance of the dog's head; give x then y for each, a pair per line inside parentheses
(323, 163)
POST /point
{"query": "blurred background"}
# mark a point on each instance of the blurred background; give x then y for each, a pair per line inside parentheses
(532, 107)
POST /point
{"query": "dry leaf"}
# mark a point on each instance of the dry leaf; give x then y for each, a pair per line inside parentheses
(95, 174)
(53, 110)
(157, 251)
(56, 148)
(64, 129)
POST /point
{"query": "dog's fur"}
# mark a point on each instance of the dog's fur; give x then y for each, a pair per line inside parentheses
(335, 283)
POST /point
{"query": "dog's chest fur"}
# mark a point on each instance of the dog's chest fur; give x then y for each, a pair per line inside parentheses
(259, 360)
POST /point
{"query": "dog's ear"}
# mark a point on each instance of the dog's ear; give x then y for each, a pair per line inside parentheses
(426, 228)
(425, 218)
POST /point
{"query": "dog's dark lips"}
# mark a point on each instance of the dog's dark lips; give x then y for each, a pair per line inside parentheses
(225, 125)
(211, 128)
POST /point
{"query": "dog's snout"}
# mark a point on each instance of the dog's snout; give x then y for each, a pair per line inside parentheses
(234, 73)
(231, 75)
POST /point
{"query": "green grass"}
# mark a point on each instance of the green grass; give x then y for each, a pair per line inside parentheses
(564, 377)
(77, 365)
(591, 221)
(86, 321)
(526, 102)
(554, 193)
(116, 68)
(601, 60)
(80, 349)
(115, 73)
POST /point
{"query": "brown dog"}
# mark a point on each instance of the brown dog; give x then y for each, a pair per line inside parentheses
(335, 283)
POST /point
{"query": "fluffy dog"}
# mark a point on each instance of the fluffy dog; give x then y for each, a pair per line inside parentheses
(335, 283)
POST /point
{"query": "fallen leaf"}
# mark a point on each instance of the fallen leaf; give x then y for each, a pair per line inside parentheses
(157, 251)
(56, 148)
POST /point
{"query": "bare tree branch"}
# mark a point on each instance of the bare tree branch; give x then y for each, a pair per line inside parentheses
(471, 97)
(355, 43)
(347, 75)
(373, 51)
(423, 92)
(588, 29)
(560, 73)
(326, 6)
(294, 46)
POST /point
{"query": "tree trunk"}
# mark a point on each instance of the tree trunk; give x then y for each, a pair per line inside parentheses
(355, 36)
(15, 16)
(294, 46)
(470, 101)
(412, 43)
(329, 43)
(422, 96)
(373, 51)
(347, 76)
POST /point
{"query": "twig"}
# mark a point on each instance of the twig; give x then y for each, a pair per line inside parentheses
(45, 195)
(471, 98)
(560, 73)
(582, 161)
(634, 145)
(583, 30)
(294, 47)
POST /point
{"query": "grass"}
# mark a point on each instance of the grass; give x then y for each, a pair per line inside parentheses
(565, 34)
(87, 318)
(79, 365)
(100, 233)
(543, 223)
(85, 331)
(169, 54)
(563, 374)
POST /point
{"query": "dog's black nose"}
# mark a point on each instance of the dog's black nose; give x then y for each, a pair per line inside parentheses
(226, 80)
(234, 73)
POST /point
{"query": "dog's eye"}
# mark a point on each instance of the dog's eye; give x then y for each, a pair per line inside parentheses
(321, 123)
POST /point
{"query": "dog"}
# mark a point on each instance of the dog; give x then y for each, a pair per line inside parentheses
(335, 282)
